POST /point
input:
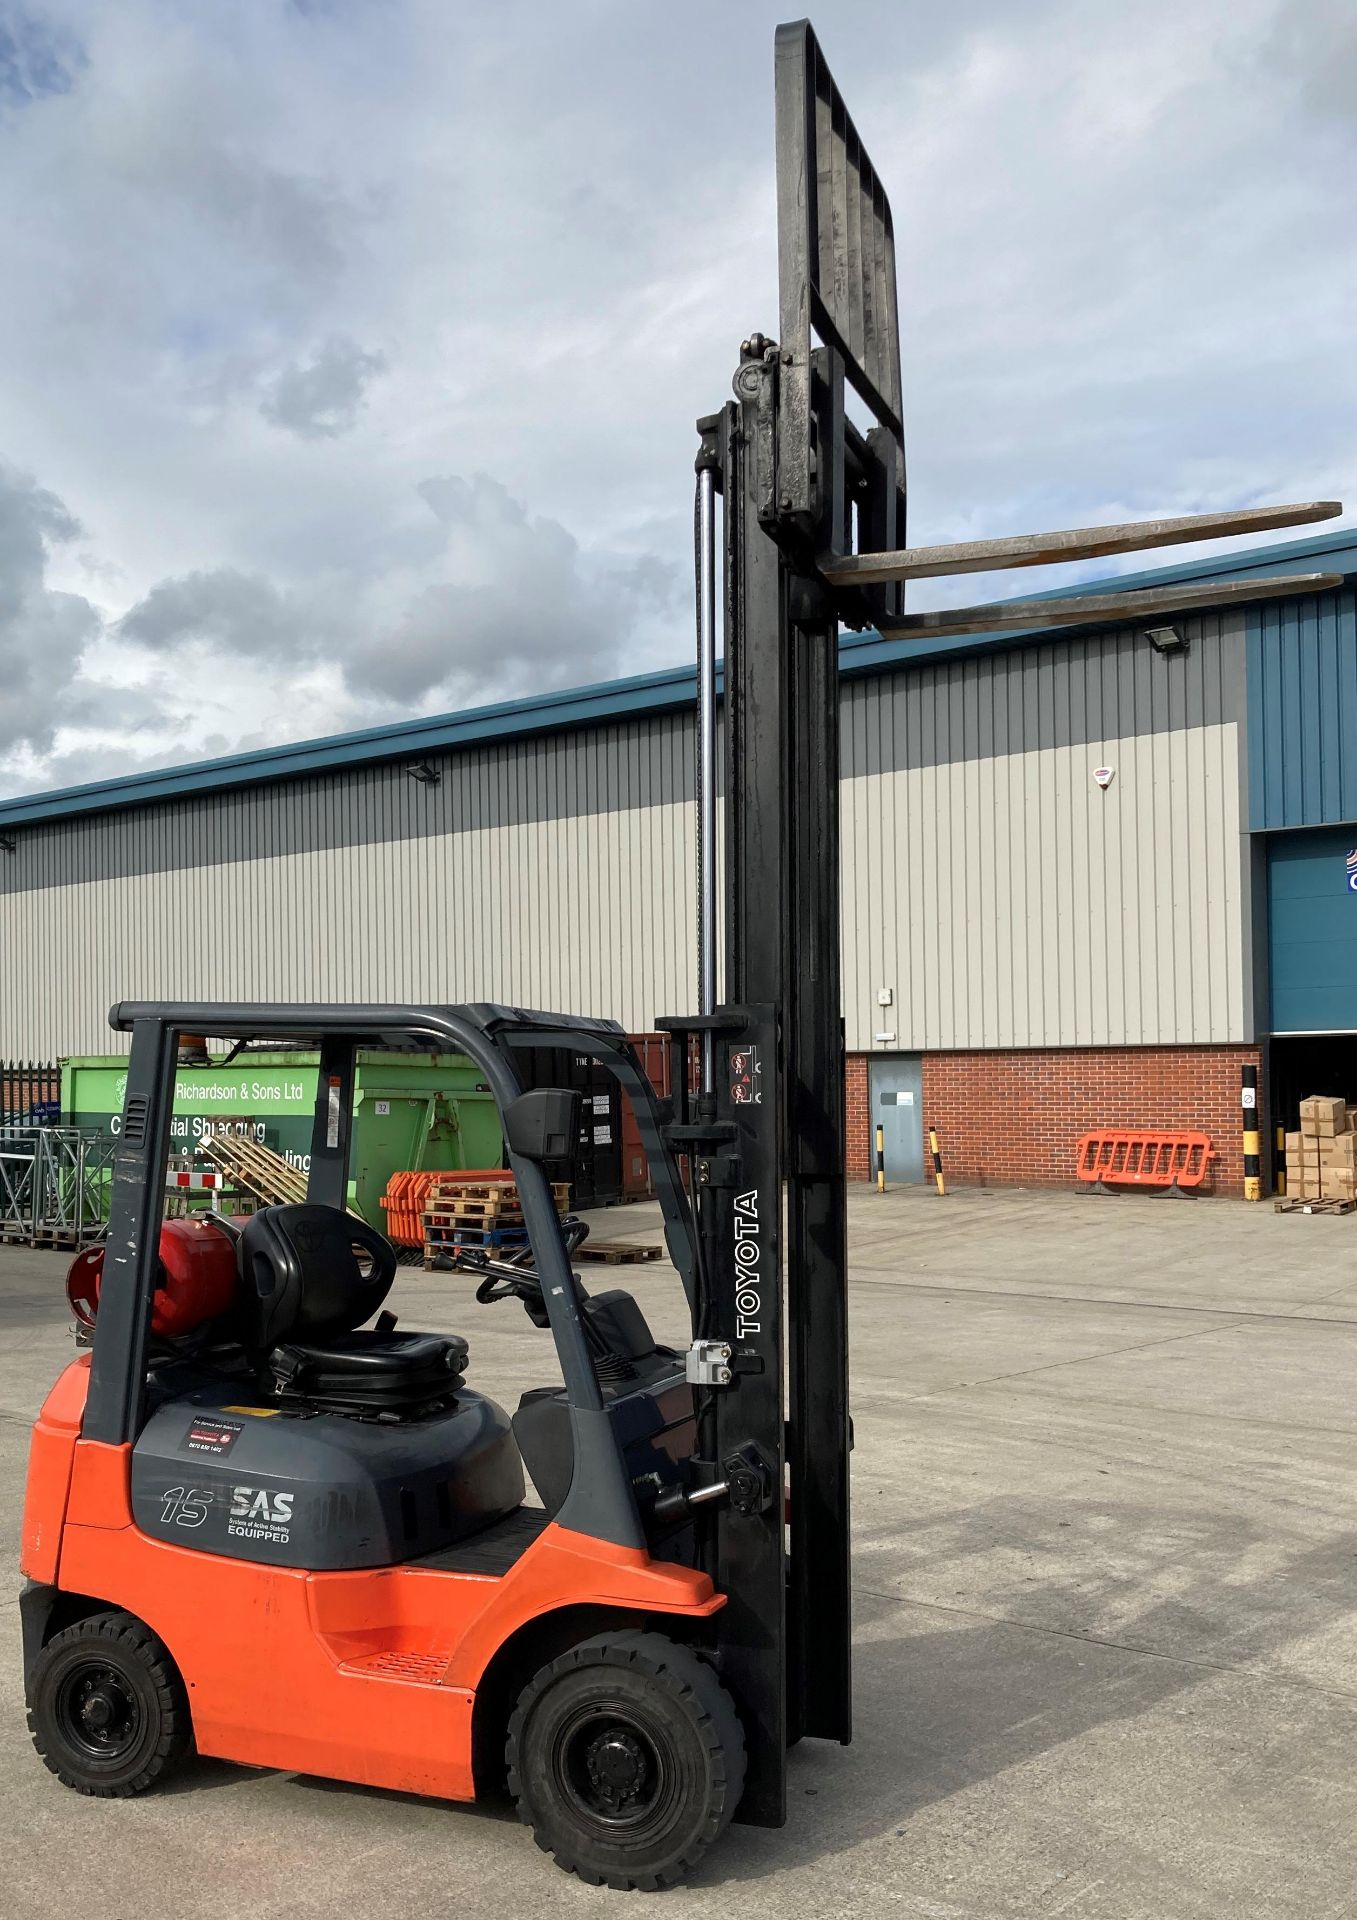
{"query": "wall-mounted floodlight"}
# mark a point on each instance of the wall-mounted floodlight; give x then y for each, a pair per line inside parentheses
(427, 775)
(1166, 639)
(7, 845)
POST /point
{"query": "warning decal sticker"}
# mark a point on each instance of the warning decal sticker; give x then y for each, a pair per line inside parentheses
(210, 1434)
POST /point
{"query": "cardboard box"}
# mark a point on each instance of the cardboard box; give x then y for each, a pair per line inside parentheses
(1341, 1151)
(1323, 1115)
(1293, 1141)
(1338, 1183)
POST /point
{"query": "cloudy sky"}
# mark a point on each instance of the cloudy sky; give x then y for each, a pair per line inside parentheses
(350, 349)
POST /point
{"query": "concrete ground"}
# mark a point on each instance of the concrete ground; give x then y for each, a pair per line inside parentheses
(1106, 1550)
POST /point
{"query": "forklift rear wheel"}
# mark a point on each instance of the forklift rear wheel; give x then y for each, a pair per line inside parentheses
(626, 1758)
(107, 1709)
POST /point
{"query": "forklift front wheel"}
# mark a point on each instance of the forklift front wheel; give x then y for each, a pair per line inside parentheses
(107, 1708)
(626, 1758)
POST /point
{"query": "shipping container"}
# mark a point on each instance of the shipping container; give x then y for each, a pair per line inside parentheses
(655, 1053)
(596, 1176)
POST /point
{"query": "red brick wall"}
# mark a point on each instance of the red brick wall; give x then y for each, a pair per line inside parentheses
(1013, 1118)
(859, 1145)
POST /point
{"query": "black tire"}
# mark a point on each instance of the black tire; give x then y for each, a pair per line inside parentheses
(106, 1707)
(626, 1758)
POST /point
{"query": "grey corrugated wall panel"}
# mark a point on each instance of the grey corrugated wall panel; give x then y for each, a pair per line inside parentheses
(1002, 897)
(549, 872)
(1006, 900)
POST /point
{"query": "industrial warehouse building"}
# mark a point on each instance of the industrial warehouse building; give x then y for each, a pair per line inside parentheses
(1029, 951)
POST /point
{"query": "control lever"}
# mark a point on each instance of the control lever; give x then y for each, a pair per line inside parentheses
(748, 1485)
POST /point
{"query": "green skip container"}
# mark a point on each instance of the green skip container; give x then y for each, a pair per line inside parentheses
(412, 1113)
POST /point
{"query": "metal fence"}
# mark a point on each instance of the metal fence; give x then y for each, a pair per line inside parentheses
(53, 1185)
(30, 1093)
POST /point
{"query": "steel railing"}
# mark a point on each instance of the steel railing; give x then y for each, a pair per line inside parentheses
(53, 1184)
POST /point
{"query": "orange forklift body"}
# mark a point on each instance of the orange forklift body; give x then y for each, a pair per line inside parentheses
(368, 1676)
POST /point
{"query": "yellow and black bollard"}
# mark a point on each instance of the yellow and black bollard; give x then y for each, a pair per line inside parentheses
(881, 1159)
(1279, 1162)
(936, 1152)
(1248, 1102)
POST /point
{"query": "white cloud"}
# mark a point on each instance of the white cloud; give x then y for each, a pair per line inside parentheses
(320, 399)
(43, 633)
(523, 607)
(270, 269)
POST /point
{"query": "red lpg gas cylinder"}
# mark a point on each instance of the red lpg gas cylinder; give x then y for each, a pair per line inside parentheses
(196, 1281)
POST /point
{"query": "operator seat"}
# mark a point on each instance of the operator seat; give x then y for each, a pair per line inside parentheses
(304, 1298)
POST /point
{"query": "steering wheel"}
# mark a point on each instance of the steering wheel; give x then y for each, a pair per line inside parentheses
(503, 1281)
(509, 1280)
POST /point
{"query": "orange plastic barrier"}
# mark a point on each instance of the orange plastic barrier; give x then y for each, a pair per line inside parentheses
(1130, 1157)
(403, 1202)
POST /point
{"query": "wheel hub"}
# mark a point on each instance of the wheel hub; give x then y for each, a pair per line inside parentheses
(99, 1711)
(617, 1768)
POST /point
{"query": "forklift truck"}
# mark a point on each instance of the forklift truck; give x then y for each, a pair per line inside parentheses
(262, 1527)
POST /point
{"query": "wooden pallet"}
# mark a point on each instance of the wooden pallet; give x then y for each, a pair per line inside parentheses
(1314, 1206)
(617, 1253)
(440, 1225)
(49, 1237)
(447, 1212)
(475, 1237)
(452, 1188)
(441, 1255)
(256, 1168)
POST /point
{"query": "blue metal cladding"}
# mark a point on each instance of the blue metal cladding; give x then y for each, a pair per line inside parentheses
(1302, 706)
(1312, 931)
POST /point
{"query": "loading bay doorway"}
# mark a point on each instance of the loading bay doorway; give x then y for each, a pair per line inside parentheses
(1312, 971)
(895, 1086)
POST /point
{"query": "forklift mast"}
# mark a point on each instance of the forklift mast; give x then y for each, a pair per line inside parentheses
(814, 529)
(769, 1128)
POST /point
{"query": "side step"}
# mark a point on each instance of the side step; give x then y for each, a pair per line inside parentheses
(419, 1669)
